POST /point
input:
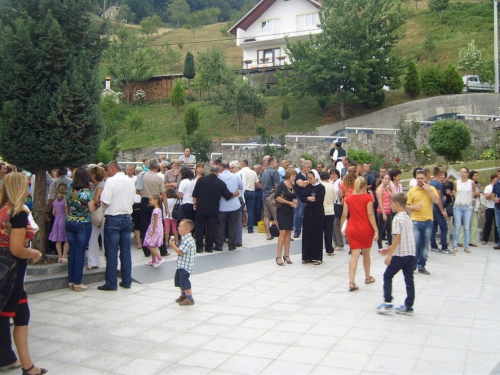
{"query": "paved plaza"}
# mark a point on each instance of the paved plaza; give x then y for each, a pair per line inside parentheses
(258, 318)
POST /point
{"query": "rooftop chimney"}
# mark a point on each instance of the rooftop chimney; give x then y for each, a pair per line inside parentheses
(108, 83)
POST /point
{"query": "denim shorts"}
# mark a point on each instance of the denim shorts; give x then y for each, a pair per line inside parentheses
(182, 279)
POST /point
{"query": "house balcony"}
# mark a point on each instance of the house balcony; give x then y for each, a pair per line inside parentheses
(267, 39)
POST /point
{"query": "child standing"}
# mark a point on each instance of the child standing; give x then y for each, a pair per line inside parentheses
(185, 262)
(58, 233)
(171, 224)
(154, 235)
(400, 256)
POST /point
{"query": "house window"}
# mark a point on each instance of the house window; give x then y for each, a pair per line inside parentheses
(270, 26)
(307, 21)
(269, 56)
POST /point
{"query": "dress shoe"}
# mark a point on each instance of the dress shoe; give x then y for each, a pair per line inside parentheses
(239, 245)
(250, 231)
(199, 250)
(296, 235)
(105, 287)
(123, 285)
(209, 251)
(231, 248)
(217, 248)
(496, 247)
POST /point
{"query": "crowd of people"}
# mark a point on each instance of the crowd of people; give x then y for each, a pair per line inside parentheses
(177, 206)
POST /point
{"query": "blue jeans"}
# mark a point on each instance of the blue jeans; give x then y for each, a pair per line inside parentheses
(422, 231)
(257, 208)
(299, 214)
(440, 221)
(400, 263)
(250, 203)
(462, 215)
(497, 222)
(78, 237)
(117, 231)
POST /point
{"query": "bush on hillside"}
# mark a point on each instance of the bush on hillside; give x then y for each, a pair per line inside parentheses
(412, 84)
(452, 81)
(431, 79)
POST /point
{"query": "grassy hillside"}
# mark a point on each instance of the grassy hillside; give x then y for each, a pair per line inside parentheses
(461, 23)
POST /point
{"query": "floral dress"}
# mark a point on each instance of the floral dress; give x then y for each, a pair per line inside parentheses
(155, 240)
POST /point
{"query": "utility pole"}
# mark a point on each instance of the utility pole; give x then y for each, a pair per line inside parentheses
(495, 12)
(104, 9)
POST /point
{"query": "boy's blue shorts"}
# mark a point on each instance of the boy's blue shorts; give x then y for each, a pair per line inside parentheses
(182, 279)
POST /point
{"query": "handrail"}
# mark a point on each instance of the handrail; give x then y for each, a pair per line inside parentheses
(250, 144)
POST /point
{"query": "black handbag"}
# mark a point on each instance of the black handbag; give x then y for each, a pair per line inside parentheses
(178, 212)
(8, 275)
(449, 211)
(338, 208)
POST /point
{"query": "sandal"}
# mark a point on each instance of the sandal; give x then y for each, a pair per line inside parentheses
(27, 372)
(279, 264)
(467, 250)
(369, 280)
(483, 242)
(306, 261)
(317, 262)
(353, 287)
(455, 249)
(287, 259)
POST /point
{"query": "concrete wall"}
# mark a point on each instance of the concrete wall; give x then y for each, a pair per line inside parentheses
(485, 104)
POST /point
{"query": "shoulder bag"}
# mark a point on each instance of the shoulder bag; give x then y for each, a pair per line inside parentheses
(97, 217)
(177, 211)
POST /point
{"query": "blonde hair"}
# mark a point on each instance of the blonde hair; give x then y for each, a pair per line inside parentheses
(157, 198)
(360, 185)
(350, 177)
(61, 191)
(13, 191)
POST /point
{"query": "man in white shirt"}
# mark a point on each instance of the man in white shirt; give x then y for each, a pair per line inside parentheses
(282, 169)
(251, 181)
(187, 158)
(234, 167)
(117, 198)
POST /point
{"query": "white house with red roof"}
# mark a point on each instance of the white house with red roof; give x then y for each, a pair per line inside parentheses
(261, 32)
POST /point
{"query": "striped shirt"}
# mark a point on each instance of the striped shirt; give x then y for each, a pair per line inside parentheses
(188, 247)
(402, 224)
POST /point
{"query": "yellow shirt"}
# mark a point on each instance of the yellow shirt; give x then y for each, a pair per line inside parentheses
(417, 196)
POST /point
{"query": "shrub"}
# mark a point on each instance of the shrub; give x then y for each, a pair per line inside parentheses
(310, 157)
(431, 79)
(140, 97)
(452, 82)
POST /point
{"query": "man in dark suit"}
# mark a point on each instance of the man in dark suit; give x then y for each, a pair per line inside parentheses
(206, 196)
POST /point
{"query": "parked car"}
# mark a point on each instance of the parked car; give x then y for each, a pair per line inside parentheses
(341, 135)
(443, 116)
(474, 84)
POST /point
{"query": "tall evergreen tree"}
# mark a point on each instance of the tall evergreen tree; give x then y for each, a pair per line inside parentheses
(412, 84)
(49, 89)
(189, 70)
(178, 97)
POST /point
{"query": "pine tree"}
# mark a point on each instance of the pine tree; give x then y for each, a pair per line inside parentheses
(191, 120)
(452, 82)
(285, 113)
(412, 84)
(49, 89)
(178, 97)
(189, 70)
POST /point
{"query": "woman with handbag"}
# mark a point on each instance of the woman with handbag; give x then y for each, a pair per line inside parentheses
(361, 230)
(15, 233)
(286, 202)
(97, 175)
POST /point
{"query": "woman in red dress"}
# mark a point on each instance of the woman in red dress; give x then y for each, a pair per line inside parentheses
(361, 229)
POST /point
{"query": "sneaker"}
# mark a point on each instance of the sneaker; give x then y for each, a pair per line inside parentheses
(150, 263)
(404, 310)
(423, 271)
(186, 302)
(435, 249)
(385, 308)
(158, 263)
(448, 252)
(180, 299)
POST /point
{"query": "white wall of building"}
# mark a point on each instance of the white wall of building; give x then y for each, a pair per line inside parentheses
(282, 20)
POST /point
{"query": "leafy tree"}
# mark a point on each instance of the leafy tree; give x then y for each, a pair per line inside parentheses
(167, 57)
(49, 89)
(191, 120)
(189, 69)
(285, 113)
(412, 84)
(407, 133)
(141, 8)
(438, 6)
(195, 21)
(150, 25)
(449, 138)
(134, 121)
(178, 97)
(239, 97)
(212, 69)
(350, 57)
(129, 59)
(486, 70)
(125, 14)
(452, 83)
(201, 146)
(470, 59)
(431, 80)
(178, 10)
